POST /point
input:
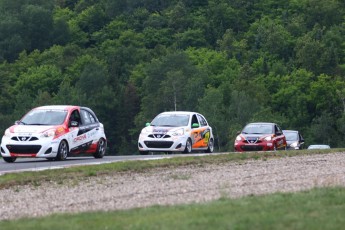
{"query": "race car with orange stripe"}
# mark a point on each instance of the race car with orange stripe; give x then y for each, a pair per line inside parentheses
(176, 131)
(54, 133)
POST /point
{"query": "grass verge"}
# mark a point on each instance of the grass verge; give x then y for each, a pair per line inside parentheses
(320, 208)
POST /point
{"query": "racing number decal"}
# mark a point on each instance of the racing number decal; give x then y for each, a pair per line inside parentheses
(201, 138)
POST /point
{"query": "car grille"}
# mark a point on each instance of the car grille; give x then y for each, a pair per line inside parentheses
(24, 149)
(159, 136)
(24, 138)
(252, 148)
(159, 144)
(252, 140)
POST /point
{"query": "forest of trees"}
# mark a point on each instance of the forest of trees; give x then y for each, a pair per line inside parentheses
(234, 61)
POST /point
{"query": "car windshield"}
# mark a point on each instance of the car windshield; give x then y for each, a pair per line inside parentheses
(44, 117)
(257, 129)
(171, 120)
(291, 136)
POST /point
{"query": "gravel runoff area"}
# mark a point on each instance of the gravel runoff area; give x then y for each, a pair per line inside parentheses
(180, 185)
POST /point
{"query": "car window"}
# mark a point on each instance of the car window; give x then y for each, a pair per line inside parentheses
(171, 120)
(202, 120)
(75, 116)
(276, 129)
(258, 129)
(88, 118)
(291, 136)
(44, 117)
(195, 120)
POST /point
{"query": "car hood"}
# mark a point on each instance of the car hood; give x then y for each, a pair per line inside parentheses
(28, 129)
(255, 135)
(250, 136)
(161, 129)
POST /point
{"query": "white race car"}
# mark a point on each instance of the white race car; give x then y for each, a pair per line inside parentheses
(176, 132)
(54, 132)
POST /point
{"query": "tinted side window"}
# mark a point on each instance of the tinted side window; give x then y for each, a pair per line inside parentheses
(202, 120)
(75, 116)
(88, 118)
(195, 120)
(278, 129)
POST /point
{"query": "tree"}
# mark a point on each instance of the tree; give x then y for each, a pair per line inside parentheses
(42, 78)
(11, 38)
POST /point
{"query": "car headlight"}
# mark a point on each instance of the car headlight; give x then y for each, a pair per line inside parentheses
(7, 133)
(294, 145)
(238, 138)
(49, 133)
(178, 132)
(144, 131)
(268, 138)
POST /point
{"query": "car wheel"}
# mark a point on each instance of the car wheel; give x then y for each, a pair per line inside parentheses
(101, 147)
(10, 159)
(62, 151)
(274, 147)
(143, 152)
(188, 148)
(210, 146)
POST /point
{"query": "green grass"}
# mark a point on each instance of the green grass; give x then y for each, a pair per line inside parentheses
(321, 208)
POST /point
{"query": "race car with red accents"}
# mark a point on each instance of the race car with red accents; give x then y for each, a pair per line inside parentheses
(55, 132)
(176, 131)
(260, 136)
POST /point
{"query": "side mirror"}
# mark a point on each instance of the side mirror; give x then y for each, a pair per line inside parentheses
(74, 124)
(17, 122)
(195, 125)
(147, 124)
(238, 132)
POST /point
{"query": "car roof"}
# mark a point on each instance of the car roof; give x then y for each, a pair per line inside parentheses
(179, 112)
(261, 123)
(290, 131)
(58, 107)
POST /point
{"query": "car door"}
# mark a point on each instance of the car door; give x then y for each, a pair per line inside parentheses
(196, 132)
(205, 131)
(86, 130)
(201, 133)
(74, 123)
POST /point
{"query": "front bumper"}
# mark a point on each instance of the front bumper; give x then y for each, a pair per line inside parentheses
(171, 144)
(292, 148)
(42, 147)
(246, 147)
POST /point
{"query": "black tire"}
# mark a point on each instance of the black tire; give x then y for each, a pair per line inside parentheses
(144, 152)
(210, 147)
(62, 151)
(188, 148)
(101, 147)
(9, 159)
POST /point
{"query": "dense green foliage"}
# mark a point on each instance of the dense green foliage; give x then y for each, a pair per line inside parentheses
(233, 61)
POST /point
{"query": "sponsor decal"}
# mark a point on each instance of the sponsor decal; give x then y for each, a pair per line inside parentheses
(91, 133)
(201, 138)
(160, 131)
(80, 138)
